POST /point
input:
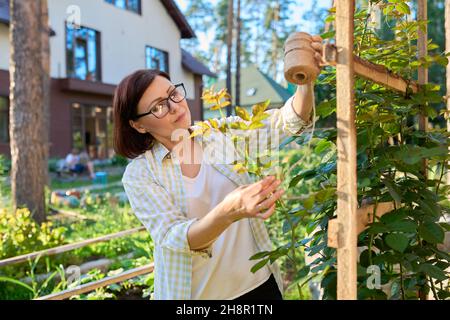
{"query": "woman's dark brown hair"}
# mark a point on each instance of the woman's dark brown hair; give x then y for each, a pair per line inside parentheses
(127, 141)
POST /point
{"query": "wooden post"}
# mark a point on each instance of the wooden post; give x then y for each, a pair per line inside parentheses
(447, 49)
(422, 72)
(346, 148)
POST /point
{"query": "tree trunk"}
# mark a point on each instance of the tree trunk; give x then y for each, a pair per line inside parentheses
(29, 100)
(229, 49)
(238, 55)
(274, 53)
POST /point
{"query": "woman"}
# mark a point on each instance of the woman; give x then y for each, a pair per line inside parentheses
(205, 219)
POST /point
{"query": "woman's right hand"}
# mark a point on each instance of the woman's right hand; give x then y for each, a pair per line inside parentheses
(256, 200)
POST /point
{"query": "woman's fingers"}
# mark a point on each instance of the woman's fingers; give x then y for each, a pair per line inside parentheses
(317, 38)
(317, 46)
(257, 187)
(268, 190)
(319, 59)
(270, 200)
(265, 215)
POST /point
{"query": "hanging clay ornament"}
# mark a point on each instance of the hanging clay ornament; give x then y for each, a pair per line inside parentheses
(300, 65)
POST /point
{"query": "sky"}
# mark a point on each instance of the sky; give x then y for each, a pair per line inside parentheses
(297, 18)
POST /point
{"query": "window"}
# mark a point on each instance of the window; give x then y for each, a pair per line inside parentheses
(92, 130)
(157, 59)
(4, 120)
(131, 5)
(83, 53)
(250, 92)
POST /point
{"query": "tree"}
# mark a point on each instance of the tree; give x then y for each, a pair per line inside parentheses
(229, 48)
(238, 54)
(29, 95)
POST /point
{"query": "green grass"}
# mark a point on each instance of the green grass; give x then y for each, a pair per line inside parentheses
(112, 190)
(80, 183)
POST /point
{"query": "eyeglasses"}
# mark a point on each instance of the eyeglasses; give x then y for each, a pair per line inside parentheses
(161, 108)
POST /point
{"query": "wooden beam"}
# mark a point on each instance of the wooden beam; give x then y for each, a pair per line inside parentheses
(447, 49)
(422, 44)
(99, 283)
(371, 71)
(346, 148)
(67, 247)
(364, 218)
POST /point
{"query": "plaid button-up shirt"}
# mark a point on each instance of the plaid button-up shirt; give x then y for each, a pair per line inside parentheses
(155, 188)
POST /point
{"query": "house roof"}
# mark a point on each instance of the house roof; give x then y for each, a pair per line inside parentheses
(179, 18)
(256, 86)
(195, 66)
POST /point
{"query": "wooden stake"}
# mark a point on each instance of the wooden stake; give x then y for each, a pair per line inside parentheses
(371, 71)
(422, 41)
(346, 147)
(68, 247)
(91, 286)
(364, 218)
(447, 49)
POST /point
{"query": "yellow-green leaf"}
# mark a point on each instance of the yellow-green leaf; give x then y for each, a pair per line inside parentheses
(260, 117)
(255, 125)
(242, 113)
(260, 107)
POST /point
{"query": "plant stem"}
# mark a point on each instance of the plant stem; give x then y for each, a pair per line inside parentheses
(402, 289)
(433, 288)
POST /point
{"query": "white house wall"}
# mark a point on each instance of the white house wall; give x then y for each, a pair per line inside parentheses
(124, 36)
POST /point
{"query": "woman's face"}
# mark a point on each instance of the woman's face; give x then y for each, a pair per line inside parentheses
(179, 116)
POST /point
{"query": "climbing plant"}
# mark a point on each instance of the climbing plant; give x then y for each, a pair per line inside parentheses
(401, 255)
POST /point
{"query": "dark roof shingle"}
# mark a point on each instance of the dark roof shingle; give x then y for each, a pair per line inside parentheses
(195, 66)
(179, 18)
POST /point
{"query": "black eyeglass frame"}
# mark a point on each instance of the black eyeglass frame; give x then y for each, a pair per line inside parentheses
(166, 100)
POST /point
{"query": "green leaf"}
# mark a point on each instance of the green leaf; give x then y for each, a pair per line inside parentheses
(17, 282)
(433, 271)
(392, 190)
(407, 226)
(326, 108)
(259, 265)
(259, 255)
(327, 35)
(308, 203)
(303, 272)
(242, 113)
(397, 241)
(431, 232)
(260, 107)
(323, 145)
(307, 174)
(429, 207)
(445, 225)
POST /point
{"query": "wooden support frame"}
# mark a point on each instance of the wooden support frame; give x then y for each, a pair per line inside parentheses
(346, 149)
(422, 45)
(100, 283)
(343, 231)
(371, 71)
(365, 216)
(68, 247)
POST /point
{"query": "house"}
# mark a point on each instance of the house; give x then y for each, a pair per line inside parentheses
(94, 44)
(256, 86)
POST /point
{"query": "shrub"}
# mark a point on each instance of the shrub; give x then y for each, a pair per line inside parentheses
(20, 234)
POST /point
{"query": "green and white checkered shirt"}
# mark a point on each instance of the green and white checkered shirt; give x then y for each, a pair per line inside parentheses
(154, 185)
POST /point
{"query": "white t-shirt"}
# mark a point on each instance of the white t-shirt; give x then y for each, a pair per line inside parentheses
(226, 275)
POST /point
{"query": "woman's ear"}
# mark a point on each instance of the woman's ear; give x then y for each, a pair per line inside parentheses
(139, 128)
